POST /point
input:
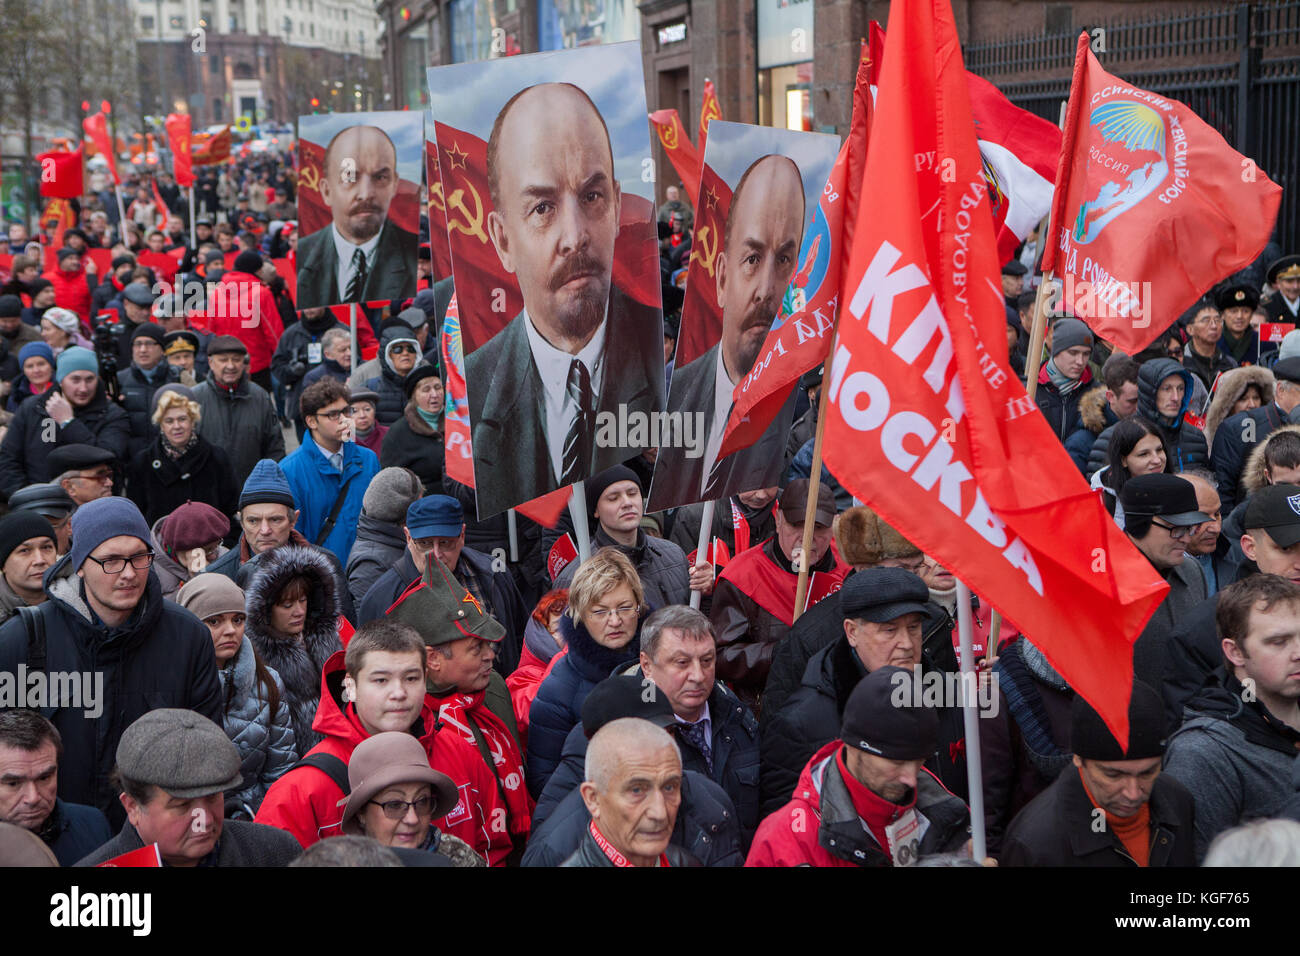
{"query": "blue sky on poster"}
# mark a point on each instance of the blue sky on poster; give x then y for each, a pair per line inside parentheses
(404, 127)
(732, 147)
(468, 96)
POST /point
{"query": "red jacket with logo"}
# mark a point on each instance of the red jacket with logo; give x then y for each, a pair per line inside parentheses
(245, 308)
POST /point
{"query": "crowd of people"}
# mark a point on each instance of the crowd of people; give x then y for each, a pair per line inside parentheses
(290, 642)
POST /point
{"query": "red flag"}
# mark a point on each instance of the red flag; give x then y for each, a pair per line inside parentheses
(96, 128)
(178, 136)
(800, 342)
(148, 856)
(59, 214)
(926, 424)
(62, 176)
(681, 151)
(441, 250)
(700, 301)
(210, 150)
(158, 201)
(709, 111)
(1152, 207)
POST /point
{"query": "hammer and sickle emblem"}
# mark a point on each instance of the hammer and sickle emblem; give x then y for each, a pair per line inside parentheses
(472, 223)
(436, 198)
(668, 136)
(705, 249)
(309, 178)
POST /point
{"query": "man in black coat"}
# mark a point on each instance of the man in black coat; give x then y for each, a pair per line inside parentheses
(1164, 392)
(884, 610)
(76, 412)
(1239, 434)
(137, 383)
(582, 352)
(298, 352)
(435, 525)
(1113, 807)
(106, 620)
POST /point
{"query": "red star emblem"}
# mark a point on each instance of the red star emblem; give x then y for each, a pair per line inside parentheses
(457, 156)
(711, 199)
(470, 599)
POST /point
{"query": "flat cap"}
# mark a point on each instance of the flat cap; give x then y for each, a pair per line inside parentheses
(181, 752)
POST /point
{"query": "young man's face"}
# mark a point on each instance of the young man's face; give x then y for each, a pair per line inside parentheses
(1269, 653)
(120, 591)
(1124, 403)
(156, 242)
(1259, 546)
(1072, 361)
(1169, 395)
(185, 830)
(146, 352)
(1237, 318)
(331, 423)
(79, 387)
(29, 783)
(1290, 287)
(619, 507)
(1120, 787)
(388, 690)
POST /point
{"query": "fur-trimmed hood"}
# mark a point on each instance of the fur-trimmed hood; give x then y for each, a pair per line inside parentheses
(1093, 410)
(1232, 386)
(1252, 476)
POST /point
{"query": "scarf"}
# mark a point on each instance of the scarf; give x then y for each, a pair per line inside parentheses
(1017, 668)
(1134, 832)
(467, 713)
(432, 419)
(876, 812)
(176, 454)
(612, 854)
(1063, 385)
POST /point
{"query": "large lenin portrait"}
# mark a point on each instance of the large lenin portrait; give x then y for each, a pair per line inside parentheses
(359, 179)
(551, 225)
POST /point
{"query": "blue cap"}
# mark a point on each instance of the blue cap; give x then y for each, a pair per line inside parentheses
(435, 516)
(75, 359)
(97, 521)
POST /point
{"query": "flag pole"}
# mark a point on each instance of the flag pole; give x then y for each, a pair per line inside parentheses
(970, 718)
(1035, 358)
(352, 326)
(578, 511)
(194, 242)
(814, 484)
(512, 525)
(706, 533)
(121, 213)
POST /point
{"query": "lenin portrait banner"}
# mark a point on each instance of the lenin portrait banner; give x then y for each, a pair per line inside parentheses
(358, 206)
(548, 190)
(754, 261)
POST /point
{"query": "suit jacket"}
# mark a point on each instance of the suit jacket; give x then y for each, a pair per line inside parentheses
(392, 276)
(506, 402)
(677, 478)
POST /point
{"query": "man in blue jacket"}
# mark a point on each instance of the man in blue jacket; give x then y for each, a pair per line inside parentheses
(328, 473)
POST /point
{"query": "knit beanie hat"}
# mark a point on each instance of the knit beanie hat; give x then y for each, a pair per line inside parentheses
(1091, 739)
(97, 521)
(64, 319)
(207, 595)
(863, 538)
(35, 348)
(390, 493)
(266, 484)
(65, 252)
(597, 484)
(10, 306)
(148, 330)
(1067, 333)
(75, 359)
(248, 261)
(1290, 346)
(17, 527)
(192, 525)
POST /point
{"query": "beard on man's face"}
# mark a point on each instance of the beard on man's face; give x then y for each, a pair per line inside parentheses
(582, 309)
(754, 327)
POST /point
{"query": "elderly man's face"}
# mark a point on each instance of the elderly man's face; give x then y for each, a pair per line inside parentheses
(761, 256)
(637, 807)
(559, 209)
(790, 538)
(185, 830)
(29, 782)
(683, 667)
(359, 203)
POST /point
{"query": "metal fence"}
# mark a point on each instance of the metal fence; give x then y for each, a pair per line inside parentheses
(1238, 68)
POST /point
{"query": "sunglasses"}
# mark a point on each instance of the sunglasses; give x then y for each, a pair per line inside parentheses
(403, 349)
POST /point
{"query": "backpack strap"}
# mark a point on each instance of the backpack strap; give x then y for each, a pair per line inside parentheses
(334, 513)
(331, 766)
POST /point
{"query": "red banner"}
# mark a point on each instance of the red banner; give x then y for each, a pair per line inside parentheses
(441, 250)
(62, 175)
(709, 111)
(96, 128)
(925, 422)
(681, 151)
(178, 136)
(701, 299)
(1152, 207)
(800, 343)
(210, 150)
(162, 206)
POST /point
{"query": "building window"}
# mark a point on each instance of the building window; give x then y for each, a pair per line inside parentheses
(311, 30)
(175, 22)
(146, 24)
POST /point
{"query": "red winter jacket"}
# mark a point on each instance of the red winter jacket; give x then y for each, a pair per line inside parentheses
(71, 291)
(245, 308)
(305, 801)
(523, 685)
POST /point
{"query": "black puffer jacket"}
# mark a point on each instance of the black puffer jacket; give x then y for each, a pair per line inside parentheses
(137, 390)
(159, 484)
(812, 717)
(24, 453)
(298, 664)
(1185, 443)
(161, 657)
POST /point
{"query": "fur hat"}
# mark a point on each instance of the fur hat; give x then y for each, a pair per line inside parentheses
(863, 538)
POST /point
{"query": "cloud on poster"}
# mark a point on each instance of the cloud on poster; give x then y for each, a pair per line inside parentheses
(732, 147)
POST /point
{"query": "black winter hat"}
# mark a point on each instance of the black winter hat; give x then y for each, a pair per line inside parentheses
(597, 484)
(19, 526)
(1091, 739)
(418, 374)
(10, 306)
(248, 261)
(149, 330)
(884, 716)
(625, 696)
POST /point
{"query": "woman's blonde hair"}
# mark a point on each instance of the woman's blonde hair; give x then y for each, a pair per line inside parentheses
(600, 574)
(169, 400)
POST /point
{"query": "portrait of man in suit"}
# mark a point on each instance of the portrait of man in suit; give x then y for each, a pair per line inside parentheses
(760, 253)
(362, 255)
(580, 346)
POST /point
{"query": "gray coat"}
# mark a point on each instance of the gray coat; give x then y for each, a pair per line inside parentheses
(660, 564)
(265, 742)
(241, 844)
(379, 546)
(1186, 590)
(242, 421)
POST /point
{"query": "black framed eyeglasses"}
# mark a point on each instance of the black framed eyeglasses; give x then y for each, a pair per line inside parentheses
(116, 565)
(396, 809)
(1177, 532)
(334, 415)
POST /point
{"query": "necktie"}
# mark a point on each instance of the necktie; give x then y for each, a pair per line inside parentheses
(358, 283)
(699, 740)
(717, 474)
(336, 460)
(577, 444)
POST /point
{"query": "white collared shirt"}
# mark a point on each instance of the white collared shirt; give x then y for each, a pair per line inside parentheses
(345, 251)
(722, 390)
(335, 459)
(706, 722)
(552, 366)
